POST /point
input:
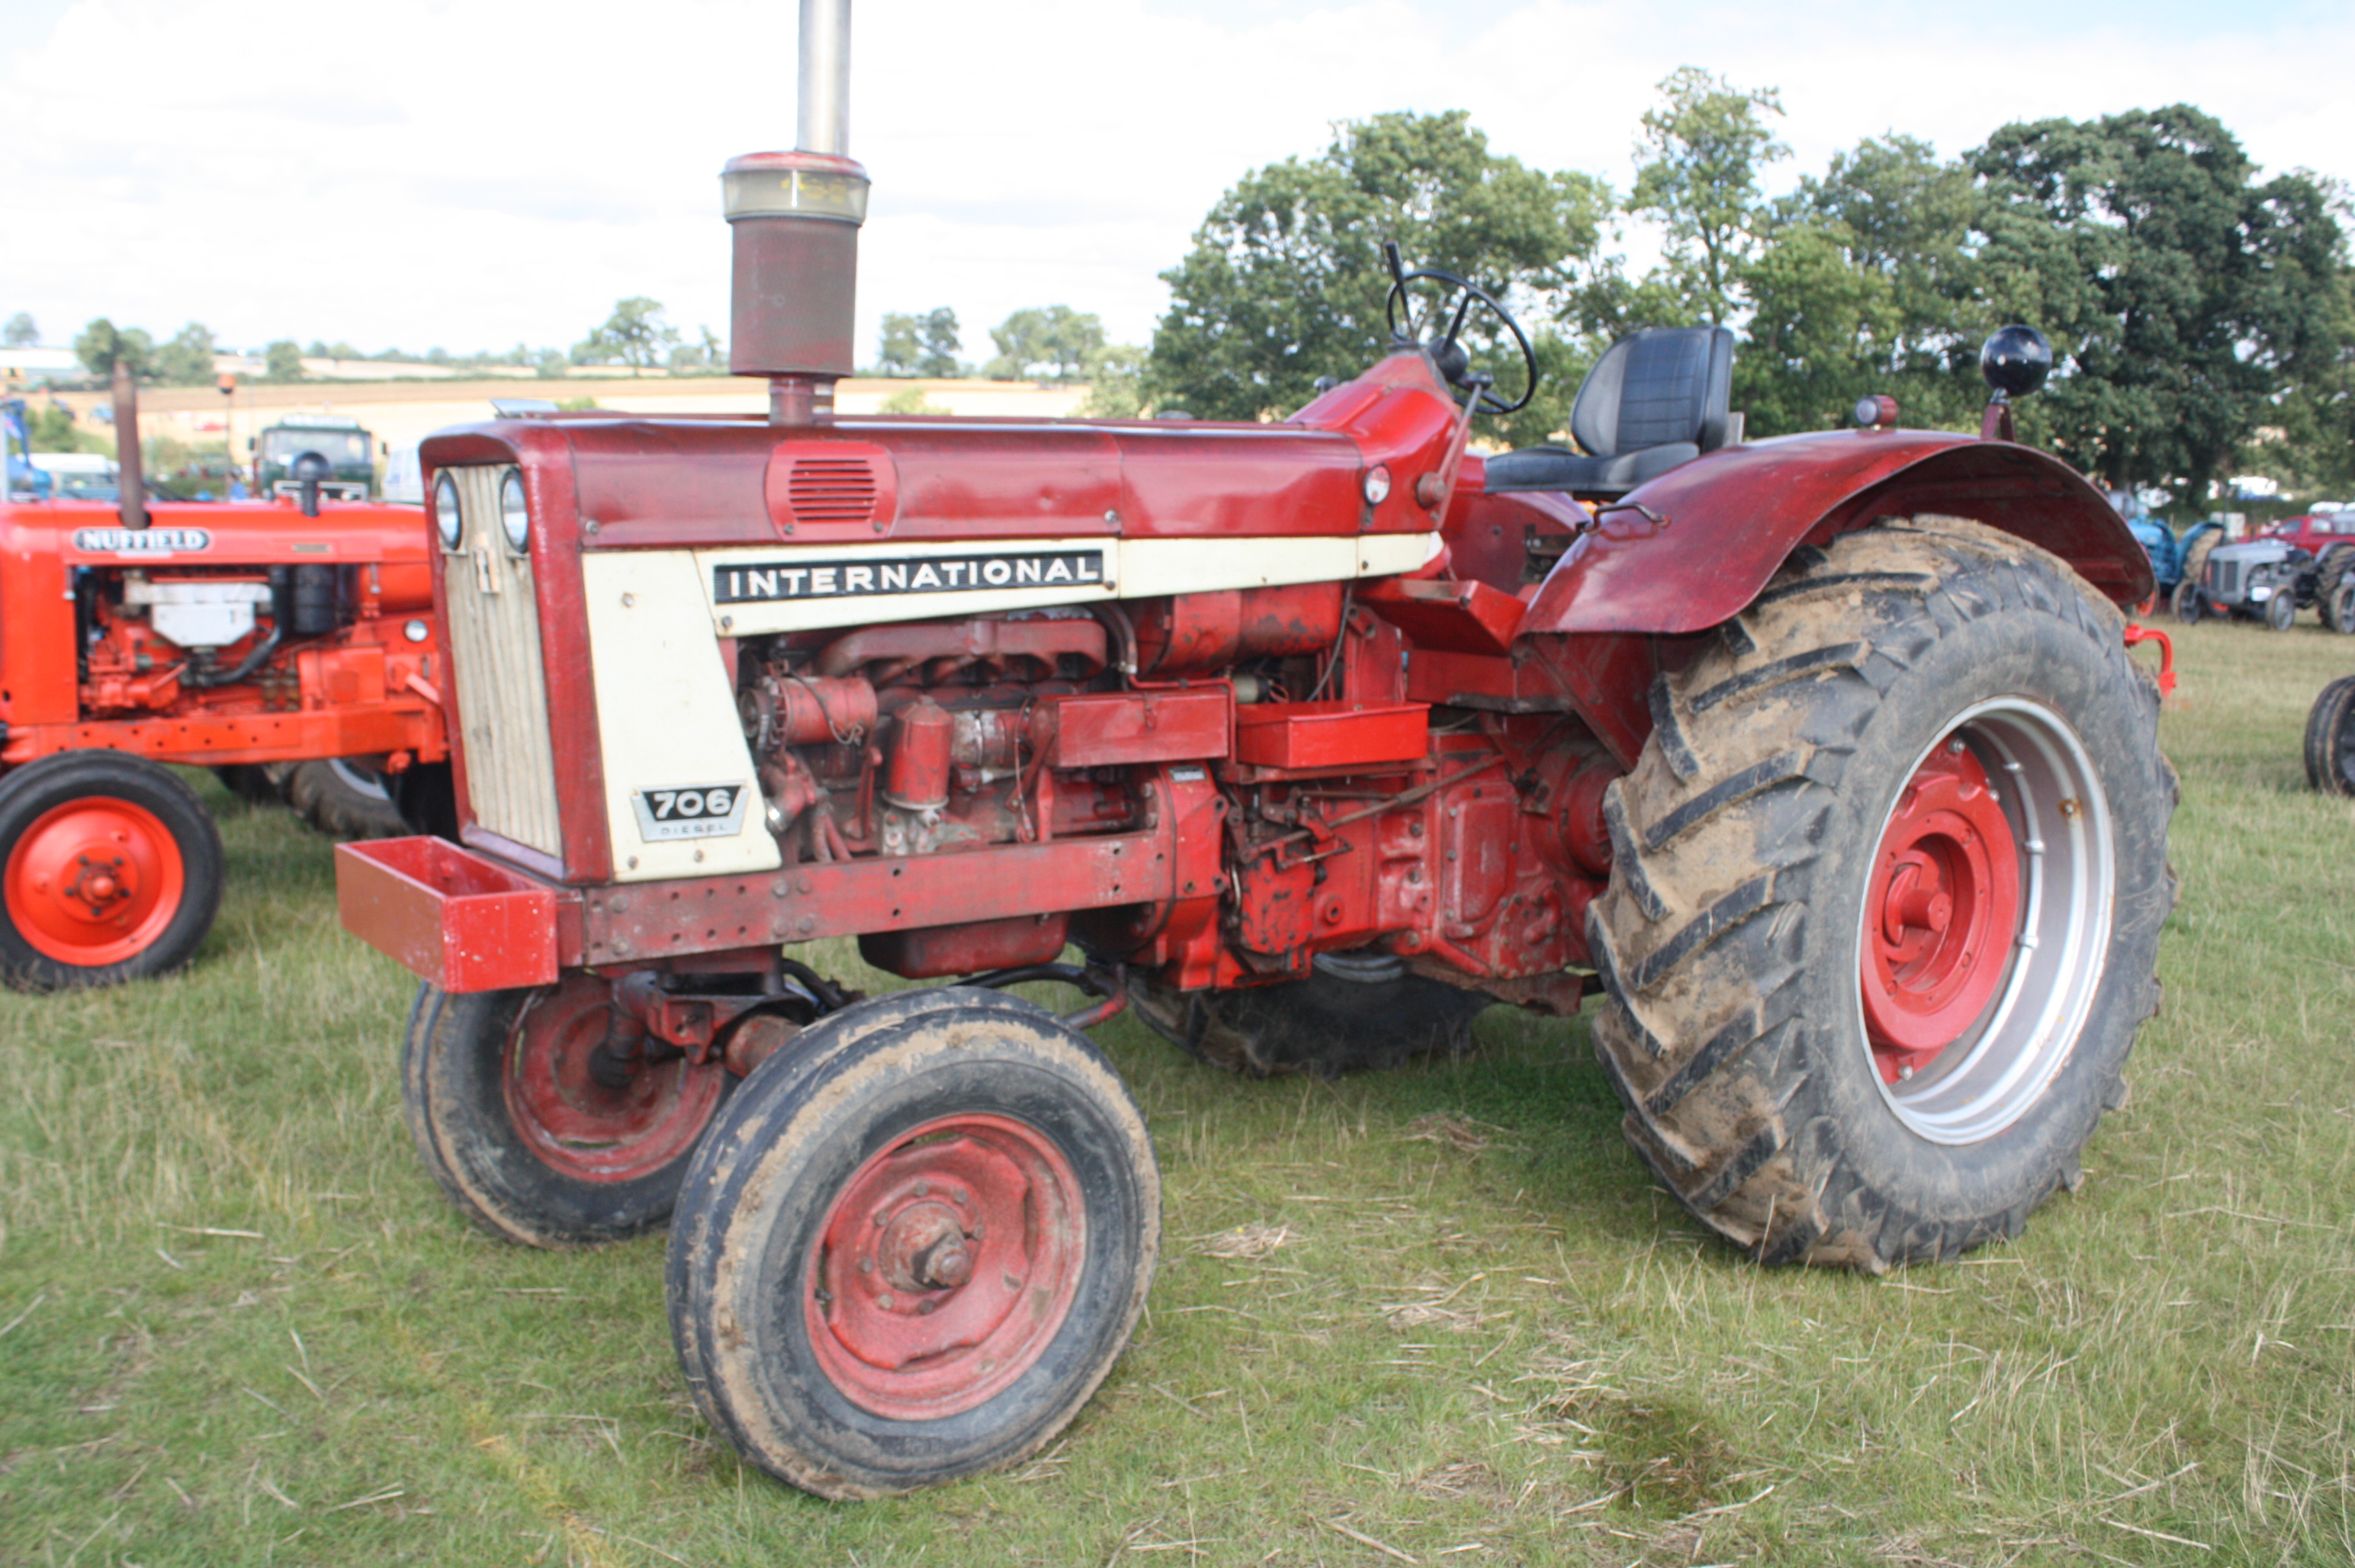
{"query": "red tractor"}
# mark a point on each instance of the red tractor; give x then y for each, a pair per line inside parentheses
(1821, 760)
(290, 637)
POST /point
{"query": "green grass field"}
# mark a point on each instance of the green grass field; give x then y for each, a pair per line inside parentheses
(1439, 1315)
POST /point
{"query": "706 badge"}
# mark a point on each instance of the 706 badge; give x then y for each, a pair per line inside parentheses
(689, 811)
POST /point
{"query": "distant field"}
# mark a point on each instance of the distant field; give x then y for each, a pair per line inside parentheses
(1438, 1316)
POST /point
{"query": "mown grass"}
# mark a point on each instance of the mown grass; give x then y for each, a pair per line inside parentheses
(1438, 1315)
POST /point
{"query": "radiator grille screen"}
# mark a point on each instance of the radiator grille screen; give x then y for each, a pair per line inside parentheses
(502, 687)
(831, 490)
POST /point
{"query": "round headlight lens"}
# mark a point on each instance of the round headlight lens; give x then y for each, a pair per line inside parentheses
(514, 515)
(445, 512)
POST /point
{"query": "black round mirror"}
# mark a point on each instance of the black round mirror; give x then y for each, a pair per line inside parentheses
(2016, 360)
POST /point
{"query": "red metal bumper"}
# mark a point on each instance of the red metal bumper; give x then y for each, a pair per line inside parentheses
(464, 922)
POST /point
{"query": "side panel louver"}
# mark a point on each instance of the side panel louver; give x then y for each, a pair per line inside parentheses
(821, 490)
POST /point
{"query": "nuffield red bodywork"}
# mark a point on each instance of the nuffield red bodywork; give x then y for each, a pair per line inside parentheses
(75, 674)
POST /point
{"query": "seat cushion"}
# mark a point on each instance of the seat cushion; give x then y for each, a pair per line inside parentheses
(1558, 468)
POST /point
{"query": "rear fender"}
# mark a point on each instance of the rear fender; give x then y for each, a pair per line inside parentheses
(1687, 550)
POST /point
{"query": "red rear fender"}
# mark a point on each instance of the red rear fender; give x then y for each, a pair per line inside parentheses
(1687, 550)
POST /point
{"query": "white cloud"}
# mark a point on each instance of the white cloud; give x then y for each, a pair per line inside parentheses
(469, 176)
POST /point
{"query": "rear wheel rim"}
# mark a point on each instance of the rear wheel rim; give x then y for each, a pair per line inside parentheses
(946, 1265)
(1968, 1044)
(574, 1121)
(94, 881)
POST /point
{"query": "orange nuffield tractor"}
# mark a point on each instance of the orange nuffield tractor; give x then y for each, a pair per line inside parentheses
(237, 637)
(1821, 759)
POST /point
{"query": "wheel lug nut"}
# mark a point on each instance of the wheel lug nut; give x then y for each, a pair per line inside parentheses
(884, 1301)
(924, 1307)
(866, 1265)
(924, 1189)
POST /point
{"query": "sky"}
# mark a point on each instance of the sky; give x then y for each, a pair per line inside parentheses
(471, 176)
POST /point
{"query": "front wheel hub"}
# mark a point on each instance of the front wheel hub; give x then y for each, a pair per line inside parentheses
(947, 1264)
(94, 881)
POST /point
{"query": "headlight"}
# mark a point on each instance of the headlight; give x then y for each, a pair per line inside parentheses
(445, 512)
(514, 515)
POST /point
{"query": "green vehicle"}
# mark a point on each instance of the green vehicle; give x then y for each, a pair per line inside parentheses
(348, 447)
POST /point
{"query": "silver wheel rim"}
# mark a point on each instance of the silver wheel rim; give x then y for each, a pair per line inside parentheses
(360, 781)
(1997, 1071)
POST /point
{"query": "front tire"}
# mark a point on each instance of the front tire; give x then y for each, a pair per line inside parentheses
(111, 870)
(2338, 609)
(2189, 604)
(2281, 610)
(1869, 992)
(914, 1245)
(2330, 739)
(530, 1134)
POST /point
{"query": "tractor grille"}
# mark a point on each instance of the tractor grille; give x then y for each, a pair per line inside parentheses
(501, 685)
(831, 490)
(2223, 579)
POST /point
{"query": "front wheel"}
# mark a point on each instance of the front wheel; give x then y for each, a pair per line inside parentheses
(913, 1245)
(2281, 610)
(2188, 603)
(2338, 609)
(539, 1130)
(1884, 918)
(112, 870)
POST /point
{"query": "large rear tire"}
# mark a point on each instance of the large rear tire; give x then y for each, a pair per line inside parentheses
(531, 1135)
(914, 1244)
(111, 869)
(2339, 609)
(1356, 1012)
(1884, 918)
(345, 799)
(2330, 739)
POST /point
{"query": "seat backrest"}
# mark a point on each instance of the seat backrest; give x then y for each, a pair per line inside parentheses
(1655, 388)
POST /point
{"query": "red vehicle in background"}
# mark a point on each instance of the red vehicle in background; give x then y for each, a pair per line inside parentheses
(239, 637)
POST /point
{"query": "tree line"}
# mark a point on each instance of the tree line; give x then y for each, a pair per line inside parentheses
(2201, 318)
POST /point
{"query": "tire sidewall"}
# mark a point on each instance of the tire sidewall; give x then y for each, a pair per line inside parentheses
(38, 787)
(2015, 652)
(808, 1137)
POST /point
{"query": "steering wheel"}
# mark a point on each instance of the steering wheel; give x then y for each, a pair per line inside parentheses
(1448, 351)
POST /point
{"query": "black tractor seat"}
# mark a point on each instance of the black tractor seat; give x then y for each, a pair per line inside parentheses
(1656, 399)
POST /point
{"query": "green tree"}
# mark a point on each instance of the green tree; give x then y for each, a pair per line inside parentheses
(100, 344)
(1050, 343)
(896, 350)
(2188, 302)
(1821, 334)
(188, 359)
(1286, 281)
(550, 364)
(1116, 383)
(283, 361)
(636, 334)
(1699, 156)
(20, 332)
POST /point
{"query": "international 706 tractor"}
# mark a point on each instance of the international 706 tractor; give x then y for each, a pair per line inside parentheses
(1820, 758)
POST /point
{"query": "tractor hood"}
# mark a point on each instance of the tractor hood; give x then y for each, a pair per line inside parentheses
(2255, 552)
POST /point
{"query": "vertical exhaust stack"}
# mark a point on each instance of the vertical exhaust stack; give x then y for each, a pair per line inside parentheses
(795, 218)
(132, 480)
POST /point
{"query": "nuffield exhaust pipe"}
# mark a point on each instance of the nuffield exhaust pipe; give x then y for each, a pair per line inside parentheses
(131, 478)
(795, 218)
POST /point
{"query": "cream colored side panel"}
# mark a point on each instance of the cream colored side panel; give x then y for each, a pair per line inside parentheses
(502, 687)
(667, 715)
(1152, 566)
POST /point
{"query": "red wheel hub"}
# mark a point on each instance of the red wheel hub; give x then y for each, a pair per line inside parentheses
(945, 1267)
(580, 1114)
(1941, 912)
(94, 881)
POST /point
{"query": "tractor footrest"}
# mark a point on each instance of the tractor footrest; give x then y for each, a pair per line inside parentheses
(451, 916)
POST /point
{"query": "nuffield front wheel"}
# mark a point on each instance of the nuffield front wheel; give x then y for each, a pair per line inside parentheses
(1884, 918)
